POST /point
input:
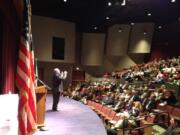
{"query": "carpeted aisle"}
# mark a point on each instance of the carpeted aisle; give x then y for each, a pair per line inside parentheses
(74, 118)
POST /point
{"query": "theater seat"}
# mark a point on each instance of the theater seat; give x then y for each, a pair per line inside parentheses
(148, 121)
(176, 112)
(169, 109)
(135, 132)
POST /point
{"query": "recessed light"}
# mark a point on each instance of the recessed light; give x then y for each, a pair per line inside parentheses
(65, 0)
(173, 1)
(95, 27)
(123, 3)
(132, 23)
(149, 14)
(144, 33)
(109, 3)
(159, 27)
(77, 68)
(119, 29)
(107, 17)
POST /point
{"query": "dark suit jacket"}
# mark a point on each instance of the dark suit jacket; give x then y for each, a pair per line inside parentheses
(171, 100)
(56, 82)
(150, 104)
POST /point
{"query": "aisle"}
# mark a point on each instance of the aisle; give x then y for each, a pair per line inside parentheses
(74, 118)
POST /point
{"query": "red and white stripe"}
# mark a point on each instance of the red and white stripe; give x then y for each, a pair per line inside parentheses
(25, 83)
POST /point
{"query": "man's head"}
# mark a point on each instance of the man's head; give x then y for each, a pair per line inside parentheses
(56, 71)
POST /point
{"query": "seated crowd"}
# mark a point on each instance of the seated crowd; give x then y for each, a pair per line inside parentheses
(134, 92)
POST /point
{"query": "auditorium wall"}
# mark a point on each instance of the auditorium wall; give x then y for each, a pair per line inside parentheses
(166, 42)
(165, 50)
(112, 63)
(141, 37)
(92, 49)
(123, 48)
(44, 29)
(117, 40)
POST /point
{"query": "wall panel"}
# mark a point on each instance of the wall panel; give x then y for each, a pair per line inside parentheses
(117, 40)
(141, 38)
(92, 48)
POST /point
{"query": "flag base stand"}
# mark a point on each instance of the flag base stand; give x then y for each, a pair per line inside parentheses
(43, 129)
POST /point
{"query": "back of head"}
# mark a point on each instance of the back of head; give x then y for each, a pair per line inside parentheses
(56, 71)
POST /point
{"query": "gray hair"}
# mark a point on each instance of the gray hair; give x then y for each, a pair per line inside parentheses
(57, 70)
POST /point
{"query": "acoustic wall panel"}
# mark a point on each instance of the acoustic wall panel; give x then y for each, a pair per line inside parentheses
(141, 38)
(117, 40)
(58, 48)
(92, 49)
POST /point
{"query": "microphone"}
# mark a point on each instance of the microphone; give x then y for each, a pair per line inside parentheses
(49, 88)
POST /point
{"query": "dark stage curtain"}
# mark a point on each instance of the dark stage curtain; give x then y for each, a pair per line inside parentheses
(164, 50)
(9, 45)
(1, 26)
(8, 60)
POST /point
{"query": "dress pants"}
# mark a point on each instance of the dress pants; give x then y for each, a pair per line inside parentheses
(56, 97)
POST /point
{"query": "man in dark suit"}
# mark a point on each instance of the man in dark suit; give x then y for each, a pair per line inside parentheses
(58, 77)
(151, 103)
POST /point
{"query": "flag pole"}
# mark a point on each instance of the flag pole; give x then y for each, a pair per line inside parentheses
(36, 73)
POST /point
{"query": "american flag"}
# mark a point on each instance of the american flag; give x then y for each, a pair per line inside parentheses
(25, 78)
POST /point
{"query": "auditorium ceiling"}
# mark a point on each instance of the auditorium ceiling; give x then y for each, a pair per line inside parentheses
(98, 15)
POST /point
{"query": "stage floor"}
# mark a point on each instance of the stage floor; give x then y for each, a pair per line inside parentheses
(73, 118)
(8, 114)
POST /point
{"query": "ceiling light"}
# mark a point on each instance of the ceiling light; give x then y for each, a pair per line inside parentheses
(159, 27)
(123, 3)
(107, 17)
(132, 23)
(173, 1)
(149, 14)
(179, 18)
(95, 27)
(119, 29)
(109, 3)
(145, 32)
(77, 68)
(65, 0)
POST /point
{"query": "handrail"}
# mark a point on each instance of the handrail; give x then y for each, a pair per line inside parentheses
(142, 127)
(143, 117)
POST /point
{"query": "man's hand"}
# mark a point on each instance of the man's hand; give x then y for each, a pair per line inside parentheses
(65, 72)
